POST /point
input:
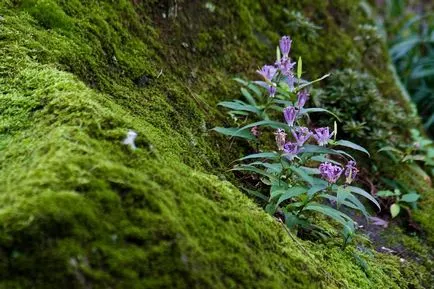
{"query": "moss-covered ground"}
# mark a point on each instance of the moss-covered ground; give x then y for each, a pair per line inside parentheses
(78, 209)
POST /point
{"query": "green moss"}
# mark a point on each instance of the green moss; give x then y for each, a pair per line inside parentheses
(78, 209)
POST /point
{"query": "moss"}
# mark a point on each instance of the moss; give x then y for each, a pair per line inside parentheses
(78, 209)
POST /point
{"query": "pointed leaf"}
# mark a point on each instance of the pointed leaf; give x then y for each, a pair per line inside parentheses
(352, 145)
(410, 198)
(291, 193)
(312, 82)
(239, 105)
(235, 132)
(302, 174)
(299, 67)
(365, 194)
(267, 155)
(318, 109)
(250, 99)
(315, 189)
(330, 212)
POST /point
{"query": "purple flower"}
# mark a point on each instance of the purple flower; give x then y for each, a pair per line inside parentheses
(301, 135)
(290, 79)
(330, 172)
(272, 90)
(280, 137)
(267, 72)
(285, 45)
(303, 96)
(322, 135)
(290, 114)
(351, 171)
(285, 66)
(291, 150)
(255, 131)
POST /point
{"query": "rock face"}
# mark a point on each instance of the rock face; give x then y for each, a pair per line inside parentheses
(78, 209)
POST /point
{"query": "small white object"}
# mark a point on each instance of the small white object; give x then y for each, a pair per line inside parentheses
(129, 140)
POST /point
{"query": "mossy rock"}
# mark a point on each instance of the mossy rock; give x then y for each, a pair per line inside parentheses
(78, 209)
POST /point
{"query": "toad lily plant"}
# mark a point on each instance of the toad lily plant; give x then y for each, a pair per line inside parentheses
(303, 169)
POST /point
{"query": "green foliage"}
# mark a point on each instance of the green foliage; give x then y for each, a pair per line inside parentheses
(367, 116)
(399, 200)
(294, 188)
(411, 45)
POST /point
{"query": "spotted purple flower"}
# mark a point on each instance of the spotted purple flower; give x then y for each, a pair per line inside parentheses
(350, 171)
(301, 135)
(286, 66)
(280, 137)
(290, 114)
(330, 172)
(271, 90)
(303, 96)
(285, 45)
(267, 72)
(255, 131)
(322, 135)
(291, 150)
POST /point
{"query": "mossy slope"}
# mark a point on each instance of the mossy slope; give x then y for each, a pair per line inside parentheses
(80, 210)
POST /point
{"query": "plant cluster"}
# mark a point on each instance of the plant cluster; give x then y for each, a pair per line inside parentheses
(399, 200)
(305, 171)
(353, 96)
(421, 150)
(411, 46)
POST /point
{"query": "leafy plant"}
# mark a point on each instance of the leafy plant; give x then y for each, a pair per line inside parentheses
(368, 117)
(304, 171)
(420, 150)
(400, 200)
(411, 46)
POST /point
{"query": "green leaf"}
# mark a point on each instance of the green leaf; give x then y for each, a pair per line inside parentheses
(307, 148)
(235, 132)
(253, 170)
(330, 212)
(299, 67)
(341, 195)
(322, 159)
(365, 194)
(390, 149)
(410, 198)
(238, 112)
(277, 188)
(268, 155)
(315, 189)
(268, 123)
(292, 220)
(358, 205)
(302, 174)
(253, 87)
(335, 130)
(312, 82)
(291, 193)
(385, 194)
(271, 168)
(256, 194)
(278, 56)
(250, 99)
(413, 158)
(242, 81)
(318, 109)
(352, 145)
(239, 105)
(341, 152)
(394, 210)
